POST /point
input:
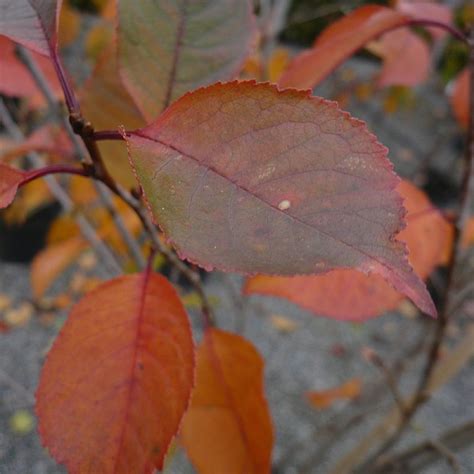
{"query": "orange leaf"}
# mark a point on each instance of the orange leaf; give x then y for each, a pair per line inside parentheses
(406, 58)
(337, 42)
(228, 428)
(460, 98)
(118, 378)
(277, 63)
(69, 25)
(325, 398)
(351, 296)
(52, 261)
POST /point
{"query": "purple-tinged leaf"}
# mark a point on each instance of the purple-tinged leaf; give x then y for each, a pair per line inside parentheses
(244, 177)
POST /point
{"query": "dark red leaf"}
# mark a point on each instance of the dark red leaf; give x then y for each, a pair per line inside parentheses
(10, 180)
(246, 178)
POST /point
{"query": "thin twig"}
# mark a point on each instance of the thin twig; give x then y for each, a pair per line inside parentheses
(466, 197)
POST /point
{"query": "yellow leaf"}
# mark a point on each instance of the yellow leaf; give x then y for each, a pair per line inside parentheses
(22, 422)
(283, 324)
(17, 317)
(69, 24)
(277, 64)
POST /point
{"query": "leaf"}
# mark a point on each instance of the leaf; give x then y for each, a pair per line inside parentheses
(16, 81)
(10, 180)
(69, 25)
(228, 426)
(170, 47)
(49, 263)
(283, 324)
(118, 378)
(427, 10)
(33, 23)
(460, 98)
(46, 139)
(28, 200)
(406, 58)
(349, 295)
(325, 398)
(338, 42)
(246, 178)
(106, 103)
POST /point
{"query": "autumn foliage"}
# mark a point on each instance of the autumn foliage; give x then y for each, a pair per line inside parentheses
(203, 169)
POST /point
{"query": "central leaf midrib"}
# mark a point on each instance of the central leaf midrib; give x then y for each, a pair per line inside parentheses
(176, 53)
(275, 208)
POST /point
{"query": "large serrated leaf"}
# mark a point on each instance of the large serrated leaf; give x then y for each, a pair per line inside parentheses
(244, 177)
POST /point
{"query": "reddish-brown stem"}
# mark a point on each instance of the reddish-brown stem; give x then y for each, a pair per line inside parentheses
(438, 24)
(53, 169)
(69, 96)
(108, 135)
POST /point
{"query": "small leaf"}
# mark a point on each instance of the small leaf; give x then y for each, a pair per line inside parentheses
(228, 428)
(325, 398)
(10, 180)
(22, 422)
(351, 296)
(244, 177)
(460, 98)
(283, 324)
(337, 43)
(406, 58)
(118, 379)
(33, 23)
(50, 263)
(170, 47)
(15, 79)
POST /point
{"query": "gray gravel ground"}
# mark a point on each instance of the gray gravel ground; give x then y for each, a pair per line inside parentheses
(295, 362)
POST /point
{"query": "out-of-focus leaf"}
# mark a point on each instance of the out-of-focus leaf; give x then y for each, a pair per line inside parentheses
(406, 58)
(47, 139)
(49, 263)
(16, 81)
(350, 295)
(22, 422)
(118, 378)
(337, 43)
(33, 23)
(170, 47)
(323, 399)
(427, 10)
(69, 24)
(28, 200)
(460, 98)
(244, 177)
(19, 316)
(282, 323)
(107, 105)
(277, 63)
(227, 428)
(10, 180)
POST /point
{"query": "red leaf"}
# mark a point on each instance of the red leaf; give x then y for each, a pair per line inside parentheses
(337, 42)
(351, 296)
(246, 178)
(10, 180)
(228, 427)
(33, 23)
(406, 58)
(118, 379)
(460, 98)
(16, 81)
(168, 48)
